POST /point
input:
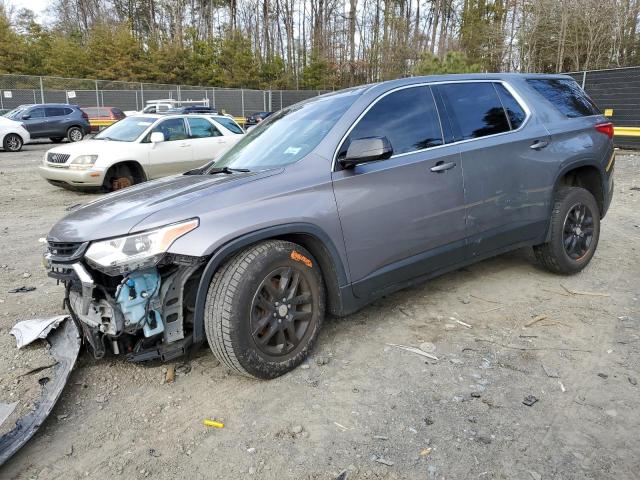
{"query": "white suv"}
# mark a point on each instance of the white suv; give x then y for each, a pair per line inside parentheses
(140, 148)
(13, 135)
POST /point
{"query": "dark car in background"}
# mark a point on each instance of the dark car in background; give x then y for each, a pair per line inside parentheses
(256, 118)
(102, 117)
(55, 121)
(193, 109)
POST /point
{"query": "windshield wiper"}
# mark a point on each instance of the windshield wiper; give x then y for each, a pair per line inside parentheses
(228, 170)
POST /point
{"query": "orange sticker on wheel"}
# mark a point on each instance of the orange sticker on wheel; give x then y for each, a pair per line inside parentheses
(298, 257)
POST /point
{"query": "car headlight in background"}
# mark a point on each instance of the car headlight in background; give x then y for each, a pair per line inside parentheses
(138, 250)
(83, 162)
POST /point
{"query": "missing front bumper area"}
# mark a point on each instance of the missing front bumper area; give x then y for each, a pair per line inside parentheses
(144, 315)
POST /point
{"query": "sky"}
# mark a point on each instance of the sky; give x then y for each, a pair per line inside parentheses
(38, 6)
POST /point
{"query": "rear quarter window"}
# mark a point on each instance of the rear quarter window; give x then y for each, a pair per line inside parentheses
(566, 96)
(229, 124)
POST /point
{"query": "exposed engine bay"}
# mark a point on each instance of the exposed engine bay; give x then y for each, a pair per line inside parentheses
(144, 313)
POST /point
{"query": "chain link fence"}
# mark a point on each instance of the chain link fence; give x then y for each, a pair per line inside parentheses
(16, 90)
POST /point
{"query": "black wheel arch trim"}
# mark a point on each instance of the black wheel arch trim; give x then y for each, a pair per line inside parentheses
(334, 288)
(563, 171)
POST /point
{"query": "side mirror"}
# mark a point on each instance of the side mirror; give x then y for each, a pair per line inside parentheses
(157, 137)
(363, 150)
(26, 117)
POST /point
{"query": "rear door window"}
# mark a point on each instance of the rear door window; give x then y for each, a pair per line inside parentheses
(55, 111)
(565, 95)
(475, 109)
(515, 112)
(407, 117)
(201, 128)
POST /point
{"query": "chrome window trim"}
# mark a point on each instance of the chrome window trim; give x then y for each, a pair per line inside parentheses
(518, 98)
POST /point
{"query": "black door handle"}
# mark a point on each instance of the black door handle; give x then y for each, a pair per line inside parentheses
(441, 166)
(539, 144)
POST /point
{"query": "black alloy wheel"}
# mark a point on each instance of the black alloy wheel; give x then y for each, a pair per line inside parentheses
(578, 231)
(281, 312)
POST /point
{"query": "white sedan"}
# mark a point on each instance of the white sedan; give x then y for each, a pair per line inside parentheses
(140, 148)
(13, 135)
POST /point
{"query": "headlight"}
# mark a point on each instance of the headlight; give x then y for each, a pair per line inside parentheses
(83, 162)
(139, 250)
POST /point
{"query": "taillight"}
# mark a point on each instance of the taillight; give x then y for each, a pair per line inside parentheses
(606, 128)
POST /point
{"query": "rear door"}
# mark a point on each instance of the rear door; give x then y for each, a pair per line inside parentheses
(58, 120)
(207, 141)
(175, 154)
(401, 217)
(505, 164)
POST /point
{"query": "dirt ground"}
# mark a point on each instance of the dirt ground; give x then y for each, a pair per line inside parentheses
(359, 405)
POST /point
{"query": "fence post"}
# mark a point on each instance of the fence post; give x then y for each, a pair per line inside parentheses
(242, 98)
(584, 78)
(281, 106)
(213, 98)
(41, 92)
(142, 95)
(97, 96)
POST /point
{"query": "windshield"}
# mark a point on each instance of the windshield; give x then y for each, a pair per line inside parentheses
(287, 136)
(16, 112)
(127, 129)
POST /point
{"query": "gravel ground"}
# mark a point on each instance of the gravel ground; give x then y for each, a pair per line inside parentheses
(360, 405)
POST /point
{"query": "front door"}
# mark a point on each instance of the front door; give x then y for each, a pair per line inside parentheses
(36, 122)
(175, 154)
(402, 217)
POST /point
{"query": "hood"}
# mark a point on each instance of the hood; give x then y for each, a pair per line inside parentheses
(122, 212)
(87, 147)
(9, 122)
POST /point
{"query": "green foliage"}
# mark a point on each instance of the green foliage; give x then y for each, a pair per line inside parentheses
(453, 62)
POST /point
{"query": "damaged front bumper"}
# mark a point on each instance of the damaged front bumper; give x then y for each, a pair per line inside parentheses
(144, 314)
(65, 346)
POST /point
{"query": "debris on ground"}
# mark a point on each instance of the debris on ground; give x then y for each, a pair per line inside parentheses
(383, 461)
(550, 372)
(170, 376)
(213, 423)
(603, 375)
(425, 452)
(22, 289)
(27, 331)
(463, 323)
(322, 361)
(37, 392)
(529, 400)
(590, 294)
(633, 380)
(535, 320)
(415, 350)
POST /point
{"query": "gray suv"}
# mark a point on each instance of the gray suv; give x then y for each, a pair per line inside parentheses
(330, 204)
(55, 121)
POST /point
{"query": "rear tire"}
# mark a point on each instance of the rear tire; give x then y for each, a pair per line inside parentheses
(250, 329)
(575, 230)
(75, 134)
(12, 143)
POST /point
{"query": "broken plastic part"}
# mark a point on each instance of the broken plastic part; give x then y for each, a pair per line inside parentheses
(65, 346)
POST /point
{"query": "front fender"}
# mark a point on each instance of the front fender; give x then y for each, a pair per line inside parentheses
(237, 244)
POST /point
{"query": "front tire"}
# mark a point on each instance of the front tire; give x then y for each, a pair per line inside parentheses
(12, 143)
(264, 309)
(75, 134)
(575, 230)
(117, 178)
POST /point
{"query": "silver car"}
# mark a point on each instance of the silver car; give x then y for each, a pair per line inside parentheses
(330, 204)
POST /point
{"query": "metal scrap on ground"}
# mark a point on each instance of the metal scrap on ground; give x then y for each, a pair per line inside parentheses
(415, 350)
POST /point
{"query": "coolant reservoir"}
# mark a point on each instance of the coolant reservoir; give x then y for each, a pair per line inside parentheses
(136, 297)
